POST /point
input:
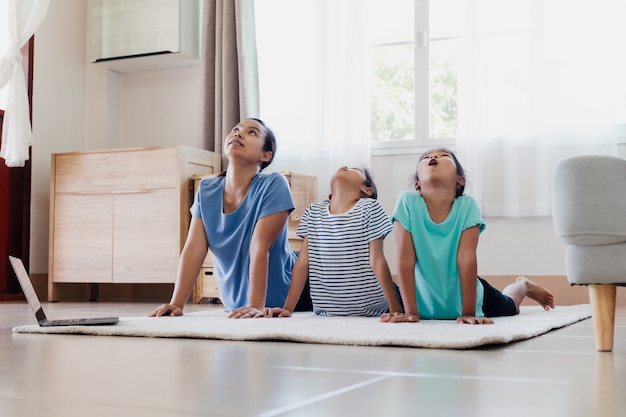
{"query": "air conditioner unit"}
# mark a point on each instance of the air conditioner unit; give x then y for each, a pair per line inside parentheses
(141, 35)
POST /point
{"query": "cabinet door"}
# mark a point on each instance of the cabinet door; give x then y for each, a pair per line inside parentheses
(83, 241)
(146, 236)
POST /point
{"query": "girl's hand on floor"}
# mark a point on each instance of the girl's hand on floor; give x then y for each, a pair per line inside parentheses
(398, 317)
(247, 312)
(276, 312)
(474, 320)
(166, 310)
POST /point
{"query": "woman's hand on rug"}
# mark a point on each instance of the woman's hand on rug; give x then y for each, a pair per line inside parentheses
(166, 310)
(474, 320)
(399, 317)
(276, 312)
(248, 312)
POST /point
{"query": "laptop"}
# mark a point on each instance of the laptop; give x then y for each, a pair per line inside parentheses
(35, 305)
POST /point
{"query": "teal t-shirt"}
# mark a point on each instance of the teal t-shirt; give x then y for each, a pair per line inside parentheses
(436, 245)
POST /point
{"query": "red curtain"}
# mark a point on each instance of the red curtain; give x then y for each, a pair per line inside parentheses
(15, 195)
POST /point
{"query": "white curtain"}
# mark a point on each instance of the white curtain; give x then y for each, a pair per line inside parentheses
(313, 84)
(537, 83)
(23, 18)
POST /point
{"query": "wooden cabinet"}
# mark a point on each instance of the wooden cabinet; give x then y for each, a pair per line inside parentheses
(304, 191)
(121, 215)
(206, 285)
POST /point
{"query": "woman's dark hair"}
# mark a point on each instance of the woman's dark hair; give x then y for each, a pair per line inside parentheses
(369, 182)
(460, 188)
(270, 142)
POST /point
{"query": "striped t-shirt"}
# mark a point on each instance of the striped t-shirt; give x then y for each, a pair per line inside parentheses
(340, 276)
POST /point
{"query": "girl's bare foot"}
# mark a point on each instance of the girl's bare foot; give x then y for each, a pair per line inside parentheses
(537, 293)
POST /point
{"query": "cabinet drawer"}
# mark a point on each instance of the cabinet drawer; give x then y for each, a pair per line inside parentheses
(206, 286)
(116, 171)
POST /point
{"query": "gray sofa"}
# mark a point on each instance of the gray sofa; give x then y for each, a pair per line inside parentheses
(589, 215)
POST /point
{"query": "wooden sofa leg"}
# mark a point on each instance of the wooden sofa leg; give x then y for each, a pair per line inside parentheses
(602, 297)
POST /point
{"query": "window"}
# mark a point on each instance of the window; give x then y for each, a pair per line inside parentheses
(407, 66)
(441, 72)
(391, 70)
(412, 65)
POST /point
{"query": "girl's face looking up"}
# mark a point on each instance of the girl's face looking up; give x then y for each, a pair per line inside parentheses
(433, 157)
(353, 177)
(354, 173)
(438, 166)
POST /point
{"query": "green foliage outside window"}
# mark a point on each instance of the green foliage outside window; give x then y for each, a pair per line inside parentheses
(392, 93)
(443, 102)
(392, 97)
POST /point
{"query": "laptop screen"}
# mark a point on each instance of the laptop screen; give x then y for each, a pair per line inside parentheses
(27, 287)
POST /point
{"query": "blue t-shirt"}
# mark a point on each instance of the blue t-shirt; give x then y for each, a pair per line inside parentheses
(229, 236)
(436, 245)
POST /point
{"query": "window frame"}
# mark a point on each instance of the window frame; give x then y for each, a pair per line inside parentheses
(421, 116)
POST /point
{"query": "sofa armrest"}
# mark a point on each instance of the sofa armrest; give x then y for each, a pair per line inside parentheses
(589, 200)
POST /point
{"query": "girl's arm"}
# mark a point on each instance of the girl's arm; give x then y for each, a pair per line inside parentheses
(264, 236)
(299, 275)
(189, 266)
(380, 267)
(406, 275)
(468, 273)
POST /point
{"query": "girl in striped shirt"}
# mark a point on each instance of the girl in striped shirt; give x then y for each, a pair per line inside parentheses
(342, 252)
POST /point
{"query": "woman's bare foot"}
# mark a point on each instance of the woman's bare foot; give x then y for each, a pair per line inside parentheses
(537, 293)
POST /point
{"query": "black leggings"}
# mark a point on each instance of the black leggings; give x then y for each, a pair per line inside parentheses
(305, 303)
(496, 304)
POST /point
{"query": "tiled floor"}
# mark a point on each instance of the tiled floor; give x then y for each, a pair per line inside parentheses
(557, 374)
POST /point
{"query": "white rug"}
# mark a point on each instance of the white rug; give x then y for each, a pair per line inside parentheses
(305, 327)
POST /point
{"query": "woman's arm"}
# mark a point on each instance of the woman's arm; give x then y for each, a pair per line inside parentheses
(468, 273)
(406, 275)
(299, 275)
(189, 265)
(264, 236)
(380, 267)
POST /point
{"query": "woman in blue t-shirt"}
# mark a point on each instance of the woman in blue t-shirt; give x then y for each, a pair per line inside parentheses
(436, 229)
(241, 215)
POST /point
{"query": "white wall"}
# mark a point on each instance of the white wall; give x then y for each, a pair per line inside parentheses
(78, 106)
(162, 108)
(81, 106)
(58, 108)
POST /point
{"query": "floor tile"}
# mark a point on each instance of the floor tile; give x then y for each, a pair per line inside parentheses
(556, 374)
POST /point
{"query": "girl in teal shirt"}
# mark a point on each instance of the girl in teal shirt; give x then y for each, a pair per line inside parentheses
(437, 229)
